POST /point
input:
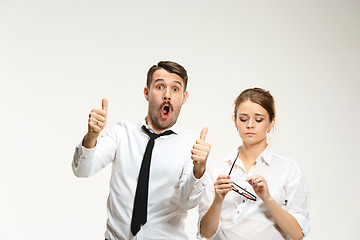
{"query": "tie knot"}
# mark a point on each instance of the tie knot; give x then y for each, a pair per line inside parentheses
(154, 135)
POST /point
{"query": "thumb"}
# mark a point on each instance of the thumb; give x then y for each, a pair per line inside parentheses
(105, 104)
(203, 133)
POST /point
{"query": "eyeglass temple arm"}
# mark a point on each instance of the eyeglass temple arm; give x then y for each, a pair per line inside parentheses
(252, 195)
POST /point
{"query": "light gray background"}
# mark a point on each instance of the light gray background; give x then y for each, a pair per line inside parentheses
(58, 59)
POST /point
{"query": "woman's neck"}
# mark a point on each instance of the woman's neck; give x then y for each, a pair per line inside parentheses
(250, 152)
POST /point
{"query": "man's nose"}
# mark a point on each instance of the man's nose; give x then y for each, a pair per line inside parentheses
(167, 94)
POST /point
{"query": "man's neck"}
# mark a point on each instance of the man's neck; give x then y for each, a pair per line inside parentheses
(154, 127)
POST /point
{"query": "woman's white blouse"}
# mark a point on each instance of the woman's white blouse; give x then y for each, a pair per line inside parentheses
(245, 219)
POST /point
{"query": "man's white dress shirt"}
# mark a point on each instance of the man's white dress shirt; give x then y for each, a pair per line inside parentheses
(172, 187)
(248, 220)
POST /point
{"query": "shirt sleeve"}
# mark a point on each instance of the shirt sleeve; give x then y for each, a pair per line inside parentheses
(206, 201)
(298, 199)
(86, 162)
(190, 188)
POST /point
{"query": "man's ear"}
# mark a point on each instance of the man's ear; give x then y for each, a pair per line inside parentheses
(146, 93)
(186, 94)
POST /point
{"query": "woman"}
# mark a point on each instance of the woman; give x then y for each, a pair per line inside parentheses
(255, 193)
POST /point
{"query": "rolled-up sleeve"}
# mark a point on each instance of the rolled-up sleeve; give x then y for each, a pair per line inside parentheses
(298, 199)
(206, 201)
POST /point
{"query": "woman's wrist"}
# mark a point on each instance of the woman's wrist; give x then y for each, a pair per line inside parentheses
(268, 200)
(218, 200)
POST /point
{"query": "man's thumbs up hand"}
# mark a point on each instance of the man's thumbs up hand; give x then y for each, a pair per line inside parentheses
(199, 154)
(203, 133)
(96, 123)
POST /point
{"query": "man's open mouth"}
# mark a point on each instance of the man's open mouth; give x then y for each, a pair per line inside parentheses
(165, 110)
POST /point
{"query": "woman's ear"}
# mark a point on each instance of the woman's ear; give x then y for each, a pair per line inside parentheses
(272, 124)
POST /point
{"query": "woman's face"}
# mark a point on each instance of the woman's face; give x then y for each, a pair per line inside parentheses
(252, 123)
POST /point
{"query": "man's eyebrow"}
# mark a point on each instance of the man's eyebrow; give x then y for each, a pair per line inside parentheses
(162, 80)
(178, 82)
(159, 80)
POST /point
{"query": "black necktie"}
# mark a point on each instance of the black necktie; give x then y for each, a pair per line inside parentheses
(139, 216)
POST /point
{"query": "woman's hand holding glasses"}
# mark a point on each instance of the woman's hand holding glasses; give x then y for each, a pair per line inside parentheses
(260, 187)
(222, 186)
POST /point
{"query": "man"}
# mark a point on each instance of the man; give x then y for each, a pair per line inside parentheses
(154, 181)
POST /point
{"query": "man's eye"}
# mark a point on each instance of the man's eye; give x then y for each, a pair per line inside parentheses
(159, 87)
(176, 89)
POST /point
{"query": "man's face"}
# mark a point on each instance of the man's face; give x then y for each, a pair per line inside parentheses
(166, 97)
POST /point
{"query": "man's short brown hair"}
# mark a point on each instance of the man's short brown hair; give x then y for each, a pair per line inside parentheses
(171, 67)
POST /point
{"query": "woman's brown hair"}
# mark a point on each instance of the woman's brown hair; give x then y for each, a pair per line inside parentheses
(259, 96)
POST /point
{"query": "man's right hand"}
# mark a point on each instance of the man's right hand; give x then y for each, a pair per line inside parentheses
(96, 123)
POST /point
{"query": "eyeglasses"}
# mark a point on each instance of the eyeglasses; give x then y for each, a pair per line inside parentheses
(240, 190)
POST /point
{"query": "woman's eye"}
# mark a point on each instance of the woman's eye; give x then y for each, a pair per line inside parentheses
(259, 120)
(243, 119)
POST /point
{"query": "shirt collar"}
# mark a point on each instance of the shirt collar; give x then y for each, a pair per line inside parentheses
(266, 155)
(175, 128)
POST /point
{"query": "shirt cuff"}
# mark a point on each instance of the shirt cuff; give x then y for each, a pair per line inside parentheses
(198, 185)
(83, 154)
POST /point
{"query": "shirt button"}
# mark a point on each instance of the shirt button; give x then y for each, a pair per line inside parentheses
(243, 201)
(238, 212)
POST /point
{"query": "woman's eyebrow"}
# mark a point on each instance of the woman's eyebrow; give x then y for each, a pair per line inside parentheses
(256, 114)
